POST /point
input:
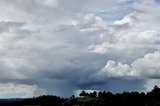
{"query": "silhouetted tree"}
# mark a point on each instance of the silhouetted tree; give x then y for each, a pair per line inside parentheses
(72, 97)
(100, 94)
(83, 93)
(93, 94)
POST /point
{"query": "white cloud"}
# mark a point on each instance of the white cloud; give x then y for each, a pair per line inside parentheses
(11, 90)
(90, 19)
(91, 23)
(50, 3)
(149, 36)
(119, 70)
(102, 48)
(126, 20)
(146, 67)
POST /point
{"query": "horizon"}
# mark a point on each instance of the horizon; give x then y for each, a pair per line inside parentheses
(77, 95)
(59, 47)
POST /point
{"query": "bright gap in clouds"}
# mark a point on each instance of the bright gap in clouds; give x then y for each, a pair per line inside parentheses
(63, 46)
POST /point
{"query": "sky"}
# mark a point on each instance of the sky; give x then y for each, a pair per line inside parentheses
(61, 47)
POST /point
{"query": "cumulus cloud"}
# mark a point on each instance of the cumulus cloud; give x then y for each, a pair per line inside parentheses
(126, 20)
(142, 68)
(148, 36)
(148, 66)
(59, 46)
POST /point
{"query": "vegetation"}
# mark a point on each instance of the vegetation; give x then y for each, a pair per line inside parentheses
(104, 98)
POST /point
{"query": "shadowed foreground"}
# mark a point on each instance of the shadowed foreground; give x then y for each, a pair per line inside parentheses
(151, 98)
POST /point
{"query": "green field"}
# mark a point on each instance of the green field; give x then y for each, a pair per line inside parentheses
(86, 99)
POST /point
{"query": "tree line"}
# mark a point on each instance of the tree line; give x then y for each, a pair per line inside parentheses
(101, 98)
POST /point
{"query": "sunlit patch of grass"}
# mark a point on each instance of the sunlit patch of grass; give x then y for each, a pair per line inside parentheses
(86, 99)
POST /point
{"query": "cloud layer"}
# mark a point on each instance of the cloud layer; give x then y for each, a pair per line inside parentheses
(59, 47)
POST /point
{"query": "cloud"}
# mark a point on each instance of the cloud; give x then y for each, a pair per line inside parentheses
(18, 90)
(102, 48)
(148, 36)
(59, 46)
(126, 20)
(50, 3)
(142, 68)
(148, 66)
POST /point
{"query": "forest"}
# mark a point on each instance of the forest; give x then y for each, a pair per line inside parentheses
(101, 98)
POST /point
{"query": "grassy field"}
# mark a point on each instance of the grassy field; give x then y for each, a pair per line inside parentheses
(86, 99)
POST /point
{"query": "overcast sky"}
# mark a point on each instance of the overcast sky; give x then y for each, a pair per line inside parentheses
(60, 47)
